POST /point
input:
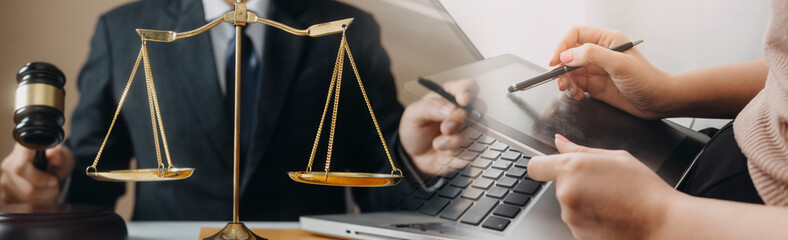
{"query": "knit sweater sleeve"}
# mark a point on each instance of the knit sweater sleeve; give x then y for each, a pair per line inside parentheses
(761, 128)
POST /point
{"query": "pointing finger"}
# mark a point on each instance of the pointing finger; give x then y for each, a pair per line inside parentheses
(565, 146)
(546, 168)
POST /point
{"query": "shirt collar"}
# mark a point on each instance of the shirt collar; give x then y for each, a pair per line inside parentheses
(216, 8)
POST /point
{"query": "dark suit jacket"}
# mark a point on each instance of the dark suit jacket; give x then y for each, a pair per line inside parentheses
(295, 78)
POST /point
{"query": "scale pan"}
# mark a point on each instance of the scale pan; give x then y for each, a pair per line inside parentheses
(349, 179)
(142, 175)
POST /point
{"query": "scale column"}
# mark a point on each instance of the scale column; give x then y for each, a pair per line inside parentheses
(237, 230)
(237, 123)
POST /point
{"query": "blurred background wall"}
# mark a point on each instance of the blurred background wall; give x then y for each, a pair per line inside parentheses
(52, 31)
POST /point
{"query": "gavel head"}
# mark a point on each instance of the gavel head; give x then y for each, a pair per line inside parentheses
(38, 112)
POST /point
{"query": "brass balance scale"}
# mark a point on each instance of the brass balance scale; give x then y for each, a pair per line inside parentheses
(239, 17)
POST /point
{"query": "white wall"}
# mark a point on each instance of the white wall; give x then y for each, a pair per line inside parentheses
(680, 35)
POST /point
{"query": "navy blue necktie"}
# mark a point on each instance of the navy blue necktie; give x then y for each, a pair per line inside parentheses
(250, 69)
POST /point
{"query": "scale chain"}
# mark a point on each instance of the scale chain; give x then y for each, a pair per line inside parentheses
(336, 108)
(148, 83)
(325, 109)
(149, 74)
(337, 78)
(117, 110)
(153, 104)
(369, 106)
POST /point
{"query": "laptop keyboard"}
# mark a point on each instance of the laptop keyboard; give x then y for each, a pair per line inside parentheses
(489, 187)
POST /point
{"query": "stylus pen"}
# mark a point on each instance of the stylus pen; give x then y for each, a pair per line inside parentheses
(544, 77)
(440, 91)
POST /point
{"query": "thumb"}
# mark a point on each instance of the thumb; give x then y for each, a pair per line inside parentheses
(592, 54)
(61, 161)
(54, 156)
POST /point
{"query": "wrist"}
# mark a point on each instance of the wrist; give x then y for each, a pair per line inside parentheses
(407, 161)
(667, 102)
(666, 214)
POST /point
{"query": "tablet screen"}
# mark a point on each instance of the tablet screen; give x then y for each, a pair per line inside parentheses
(534, 116)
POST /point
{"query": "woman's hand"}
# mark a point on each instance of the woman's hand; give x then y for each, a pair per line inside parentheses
(625, 80)
(604, 194)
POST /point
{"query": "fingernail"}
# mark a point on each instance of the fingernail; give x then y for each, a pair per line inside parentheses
(446, 110)
(442, 142)
(451, 125)
(561, 137)
(461, 99)
(580, 96)
(566, 56)
(560, 82)
(569, 91)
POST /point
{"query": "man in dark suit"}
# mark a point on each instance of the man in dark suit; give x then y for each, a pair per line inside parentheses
(293, 82)
(291, 87)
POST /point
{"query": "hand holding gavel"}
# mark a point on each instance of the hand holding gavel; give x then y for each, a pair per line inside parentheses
(31, 173)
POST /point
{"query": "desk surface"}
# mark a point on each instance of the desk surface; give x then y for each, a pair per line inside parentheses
(155, 230)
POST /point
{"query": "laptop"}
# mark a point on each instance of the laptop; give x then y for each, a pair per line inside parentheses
(488, 194)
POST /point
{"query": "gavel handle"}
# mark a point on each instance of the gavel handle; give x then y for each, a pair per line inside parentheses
(40, 160)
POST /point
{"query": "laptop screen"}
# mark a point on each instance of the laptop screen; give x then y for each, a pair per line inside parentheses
(420, 38)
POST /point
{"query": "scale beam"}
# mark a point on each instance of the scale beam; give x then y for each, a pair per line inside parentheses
(317, 30)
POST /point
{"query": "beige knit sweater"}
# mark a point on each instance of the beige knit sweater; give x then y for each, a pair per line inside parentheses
(761, 129)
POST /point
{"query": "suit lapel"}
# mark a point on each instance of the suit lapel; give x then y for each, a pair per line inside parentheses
(193, 60)
(281, 59)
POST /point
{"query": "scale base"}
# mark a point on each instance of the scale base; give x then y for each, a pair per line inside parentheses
(235, 231)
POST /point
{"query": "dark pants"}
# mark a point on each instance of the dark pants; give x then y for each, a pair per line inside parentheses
(721, 171)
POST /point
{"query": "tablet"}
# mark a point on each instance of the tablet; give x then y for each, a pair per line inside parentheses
(528, 120)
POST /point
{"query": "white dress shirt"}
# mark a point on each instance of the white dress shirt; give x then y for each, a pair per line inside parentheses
(224, 32)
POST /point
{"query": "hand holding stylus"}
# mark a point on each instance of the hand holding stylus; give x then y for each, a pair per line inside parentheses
(625, 80)
(430, 128)
(545, 77)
